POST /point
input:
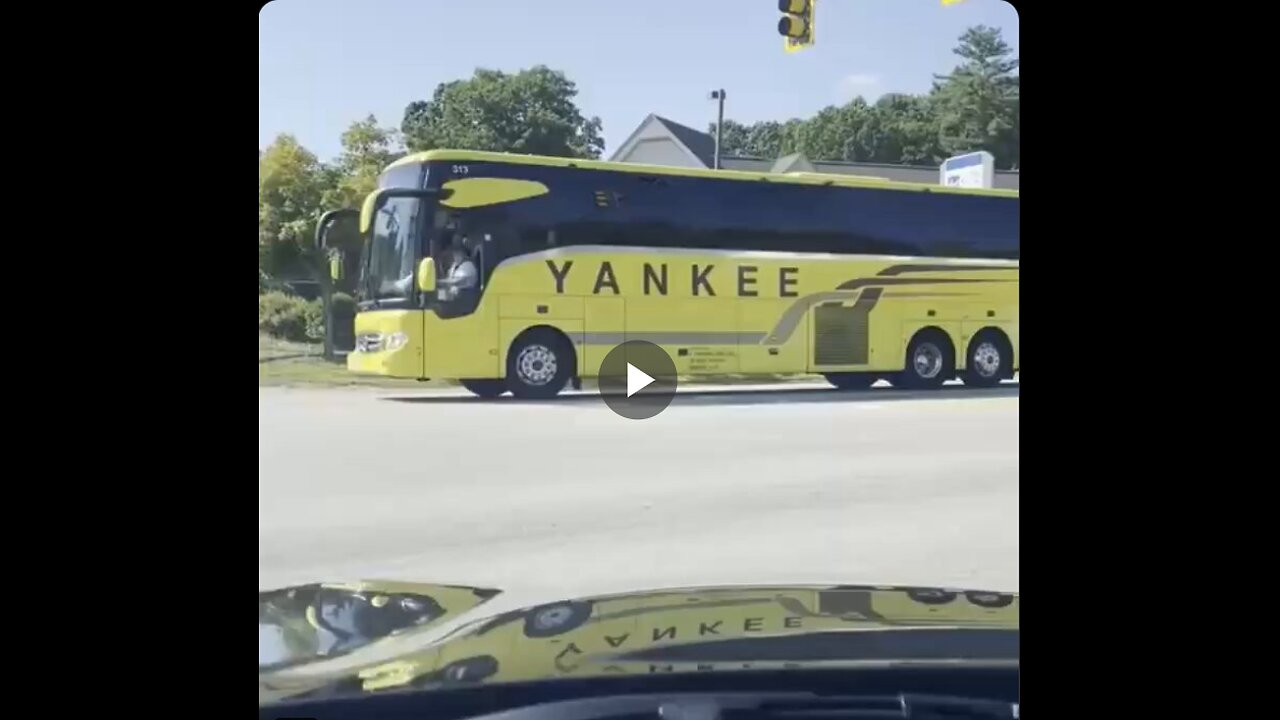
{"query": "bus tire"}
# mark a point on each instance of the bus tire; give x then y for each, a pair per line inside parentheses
(932, 596)
(850, 381)
(991, 601)
(930, 361)
(540, 364)
(470, 670)
(988, 360)
(487, 389)
(556, 619)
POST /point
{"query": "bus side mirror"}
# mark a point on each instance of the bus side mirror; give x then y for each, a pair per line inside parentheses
(326, 224)
(335, 265)
(427, 275)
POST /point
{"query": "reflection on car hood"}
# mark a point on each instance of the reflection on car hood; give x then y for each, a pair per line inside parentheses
(309, 623)
(710, 629)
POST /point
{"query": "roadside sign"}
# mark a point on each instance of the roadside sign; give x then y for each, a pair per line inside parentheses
(975, 170)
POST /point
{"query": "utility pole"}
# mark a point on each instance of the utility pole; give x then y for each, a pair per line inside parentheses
(719, 95)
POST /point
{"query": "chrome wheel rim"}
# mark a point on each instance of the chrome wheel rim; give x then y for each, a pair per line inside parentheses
(986, 359)
(552, 618)
(536, 365)
(927, 360)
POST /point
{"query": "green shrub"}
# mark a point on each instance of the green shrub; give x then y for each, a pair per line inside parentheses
(287, 317)
(313, 313)
(343, 304)
(344, 321)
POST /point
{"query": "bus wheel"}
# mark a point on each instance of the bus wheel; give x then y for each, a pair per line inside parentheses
(851, 381)
(992, 601)
(558, 619)
(487, 389)
(932, 596)
(988, 360)
(930, 361)
(539, 365)
(470, 670)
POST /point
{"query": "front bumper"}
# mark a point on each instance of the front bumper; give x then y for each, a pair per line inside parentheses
(388, 343)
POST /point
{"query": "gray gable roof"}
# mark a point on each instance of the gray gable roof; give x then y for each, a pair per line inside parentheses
(795, 162)
(699, 143)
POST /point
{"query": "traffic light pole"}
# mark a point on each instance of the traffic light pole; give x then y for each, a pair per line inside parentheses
(719, 95)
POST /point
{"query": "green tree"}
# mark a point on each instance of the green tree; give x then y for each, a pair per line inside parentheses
(900, 129)
(734, 140)
(978, 103)
(367, 150)
(835, 132)
(976, 107)
(896, 129)
(532, 111)
(292, 184)
(762, 139)
(293, 191)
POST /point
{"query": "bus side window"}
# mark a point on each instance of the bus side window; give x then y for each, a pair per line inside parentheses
(534, 239)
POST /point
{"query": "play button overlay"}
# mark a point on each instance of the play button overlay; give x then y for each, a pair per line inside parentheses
(637, 380)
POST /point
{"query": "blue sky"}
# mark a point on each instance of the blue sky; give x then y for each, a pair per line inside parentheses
(323, 64)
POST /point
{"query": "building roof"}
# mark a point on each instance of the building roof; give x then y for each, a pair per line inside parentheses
(699, 143)
(795, 162)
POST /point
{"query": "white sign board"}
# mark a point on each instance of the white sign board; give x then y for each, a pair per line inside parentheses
(975, 170)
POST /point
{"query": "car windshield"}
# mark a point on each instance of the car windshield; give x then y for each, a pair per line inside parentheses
(632, 355)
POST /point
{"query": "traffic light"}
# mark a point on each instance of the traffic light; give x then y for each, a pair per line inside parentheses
(796, 26)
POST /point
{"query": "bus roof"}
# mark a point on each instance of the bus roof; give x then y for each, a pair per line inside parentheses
(850, 181)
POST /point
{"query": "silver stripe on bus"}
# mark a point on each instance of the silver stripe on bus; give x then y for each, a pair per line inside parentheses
(572, 250)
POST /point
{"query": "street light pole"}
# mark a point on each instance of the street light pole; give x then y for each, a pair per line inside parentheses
(719, 95)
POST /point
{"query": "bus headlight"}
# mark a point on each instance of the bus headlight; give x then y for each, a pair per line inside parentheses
(395, 341)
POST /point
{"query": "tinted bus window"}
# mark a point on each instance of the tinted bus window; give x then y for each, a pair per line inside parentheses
(588, 207)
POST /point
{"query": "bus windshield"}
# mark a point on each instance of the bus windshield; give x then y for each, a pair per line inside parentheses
(388, 264)
(388, 274)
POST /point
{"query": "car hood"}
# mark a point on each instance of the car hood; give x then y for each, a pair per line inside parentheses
(306, 624)
(707, 629)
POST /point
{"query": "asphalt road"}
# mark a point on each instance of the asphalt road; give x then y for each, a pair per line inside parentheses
(565, 498)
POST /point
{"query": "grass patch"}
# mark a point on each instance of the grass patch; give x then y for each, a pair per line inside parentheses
(315, 372)
(270, 349)
(289, 363)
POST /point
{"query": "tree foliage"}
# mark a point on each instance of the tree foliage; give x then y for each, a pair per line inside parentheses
(978, 104)
(292, 185)
(975, 107)
(532, 112)
(295, 188)
(367, 150)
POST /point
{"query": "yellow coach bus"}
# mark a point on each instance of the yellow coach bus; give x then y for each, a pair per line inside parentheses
(856, 279)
